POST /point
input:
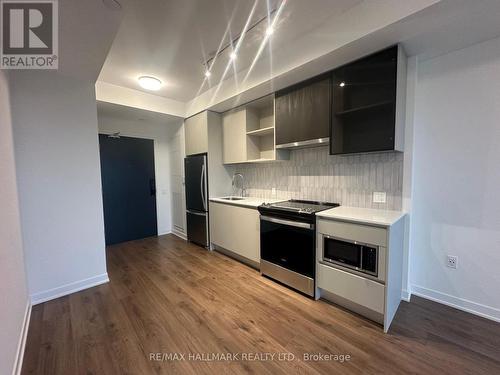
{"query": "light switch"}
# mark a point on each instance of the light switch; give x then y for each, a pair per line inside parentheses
(379, 197)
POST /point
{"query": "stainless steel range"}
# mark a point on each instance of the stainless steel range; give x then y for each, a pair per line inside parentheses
(288, 242)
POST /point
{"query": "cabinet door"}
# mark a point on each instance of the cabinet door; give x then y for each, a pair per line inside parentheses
(303, 111)
(234, 137)
(246, 232)
(364, 104)
(220, 220)
(196, 134)
(236, 229)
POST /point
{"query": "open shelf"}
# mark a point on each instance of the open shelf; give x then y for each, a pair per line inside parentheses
(369, 117)
(262, 131)
(365, 83)
(261, 147)
(365, 107)
(248, 133)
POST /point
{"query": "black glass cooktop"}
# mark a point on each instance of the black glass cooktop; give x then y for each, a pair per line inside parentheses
(300, 206)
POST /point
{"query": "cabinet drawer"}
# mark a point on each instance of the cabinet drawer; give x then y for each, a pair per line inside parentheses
(357, 289)
(353, 232)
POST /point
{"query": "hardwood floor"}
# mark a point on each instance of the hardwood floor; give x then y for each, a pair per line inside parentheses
(168, 296)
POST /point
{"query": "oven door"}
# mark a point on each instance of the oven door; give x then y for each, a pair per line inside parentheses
(288, 243)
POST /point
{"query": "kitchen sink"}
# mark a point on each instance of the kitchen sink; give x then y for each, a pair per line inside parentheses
(233, 198)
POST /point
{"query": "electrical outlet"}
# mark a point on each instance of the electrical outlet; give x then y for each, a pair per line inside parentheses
(452, 261)
(379, 197)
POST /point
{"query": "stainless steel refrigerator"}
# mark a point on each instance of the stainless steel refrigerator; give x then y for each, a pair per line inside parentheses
(195, 168)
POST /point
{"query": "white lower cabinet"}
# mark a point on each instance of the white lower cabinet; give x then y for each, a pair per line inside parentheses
(236, 229)
(357, 289)
(375, 296)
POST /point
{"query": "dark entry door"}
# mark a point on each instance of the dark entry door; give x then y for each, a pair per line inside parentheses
(128, 188)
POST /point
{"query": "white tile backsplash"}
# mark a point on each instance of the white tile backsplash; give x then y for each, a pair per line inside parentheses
(314, 174)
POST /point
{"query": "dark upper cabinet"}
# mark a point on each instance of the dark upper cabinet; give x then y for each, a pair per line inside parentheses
(368, 104)
(302, 112)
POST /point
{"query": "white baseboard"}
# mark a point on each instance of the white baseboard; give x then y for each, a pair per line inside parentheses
(405, 295)
(458, 303)
(164, 232)
(64, 290)
(18, 364)
(179, 234)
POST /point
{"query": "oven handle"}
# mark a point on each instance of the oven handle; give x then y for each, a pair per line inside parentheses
(291, 223)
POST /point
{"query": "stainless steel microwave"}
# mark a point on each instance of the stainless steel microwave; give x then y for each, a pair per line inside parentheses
(355, 255)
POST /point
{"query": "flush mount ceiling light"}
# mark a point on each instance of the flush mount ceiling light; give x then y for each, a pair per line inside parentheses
(149, 83)
(269, 31)
(233, 56)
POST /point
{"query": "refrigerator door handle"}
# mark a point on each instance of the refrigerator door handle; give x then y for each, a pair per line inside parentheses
(202, 187)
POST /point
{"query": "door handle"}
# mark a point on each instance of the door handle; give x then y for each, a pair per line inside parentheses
(203, 187)
(291, 223)
(196, 213)
(152, 187)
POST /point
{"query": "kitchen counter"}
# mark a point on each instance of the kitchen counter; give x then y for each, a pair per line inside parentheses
(249, 202)
(370, 216)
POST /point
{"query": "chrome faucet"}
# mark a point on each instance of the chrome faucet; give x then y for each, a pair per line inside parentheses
(242, 183)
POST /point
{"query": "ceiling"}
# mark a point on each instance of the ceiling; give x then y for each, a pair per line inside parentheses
(86, 32)
(172, 39)
(134, 114)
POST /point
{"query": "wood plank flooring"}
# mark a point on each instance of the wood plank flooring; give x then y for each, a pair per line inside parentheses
(168, 296)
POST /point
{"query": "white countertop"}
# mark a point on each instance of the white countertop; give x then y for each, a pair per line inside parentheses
(368, 216)
(251, 202)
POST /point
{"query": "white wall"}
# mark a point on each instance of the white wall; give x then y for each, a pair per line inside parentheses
(407, 189)
(13, 289)
(456, 180)
(58, 174)
(160, 133)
